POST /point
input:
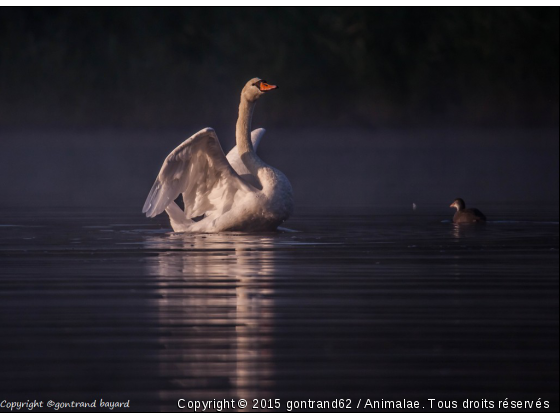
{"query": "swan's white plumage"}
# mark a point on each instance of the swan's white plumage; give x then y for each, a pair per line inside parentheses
(221, 193)
(199, 170)
(237, 164)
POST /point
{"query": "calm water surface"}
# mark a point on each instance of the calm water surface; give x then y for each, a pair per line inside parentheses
(369, 303)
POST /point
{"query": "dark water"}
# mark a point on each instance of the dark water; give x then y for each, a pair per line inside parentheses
(370, 303)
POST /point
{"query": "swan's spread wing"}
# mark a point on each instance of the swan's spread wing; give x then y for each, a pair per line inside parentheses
(199, 170)
(233, 156)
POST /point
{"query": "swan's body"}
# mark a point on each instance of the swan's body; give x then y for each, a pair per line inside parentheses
(235, 193)
(464, 215)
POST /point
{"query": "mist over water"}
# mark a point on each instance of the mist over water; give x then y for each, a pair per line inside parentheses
(327, 168)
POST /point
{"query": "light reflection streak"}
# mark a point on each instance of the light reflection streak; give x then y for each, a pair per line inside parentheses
(217, 308)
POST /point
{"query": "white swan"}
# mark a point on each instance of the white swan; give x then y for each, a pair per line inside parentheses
(235, 193)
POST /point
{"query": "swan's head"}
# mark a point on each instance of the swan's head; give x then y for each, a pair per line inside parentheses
(459, 204)
(255, 88)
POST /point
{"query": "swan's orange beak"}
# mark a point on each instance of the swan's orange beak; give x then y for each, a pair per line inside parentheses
(265, 86)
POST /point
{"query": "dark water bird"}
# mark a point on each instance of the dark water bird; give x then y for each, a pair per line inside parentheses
(463, 215)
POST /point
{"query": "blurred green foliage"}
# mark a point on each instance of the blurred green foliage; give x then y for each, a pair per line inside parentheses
(154, 67)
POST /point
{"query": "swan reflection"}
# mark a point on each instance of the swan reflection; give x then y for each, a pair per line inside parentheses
(216, 308)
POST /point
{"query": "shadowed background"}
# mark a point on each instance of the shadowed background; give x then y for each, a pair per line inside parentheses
(377, 106)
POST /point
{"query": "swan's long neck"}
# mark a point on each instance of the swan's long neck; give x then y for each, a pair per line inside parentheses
(243, 136)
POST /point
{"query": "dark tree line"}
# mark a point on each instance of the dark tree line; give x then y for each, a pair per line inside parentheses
(153, 67)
